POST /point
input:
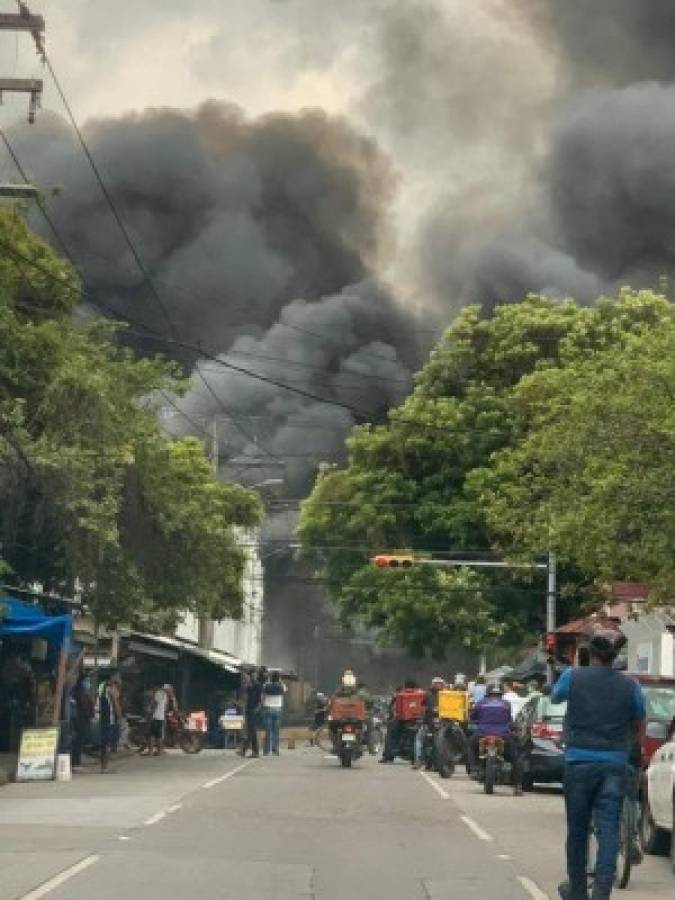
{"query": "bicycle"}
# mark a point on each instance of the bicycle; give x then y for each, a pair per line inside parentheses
(628, 831)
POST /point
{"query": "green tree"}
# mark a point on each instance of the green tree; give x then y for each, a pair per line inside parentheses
(414, 482)
(90, 487)
(595, 470)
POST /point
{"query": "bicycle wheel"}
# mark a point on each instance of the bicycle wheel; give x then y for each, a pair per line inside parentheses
(323, 740)
(624, 860)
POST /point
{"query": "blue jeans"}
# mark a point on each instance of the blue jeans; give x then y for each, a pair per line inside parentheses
(272, 724)
(594, 792)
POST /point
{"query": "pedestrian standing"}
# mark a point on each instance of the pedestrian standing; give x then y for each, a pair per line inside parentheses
(252, 714)
(109, 714)
(160, 702)
(273, 706)
(83, 713)
(605, 712)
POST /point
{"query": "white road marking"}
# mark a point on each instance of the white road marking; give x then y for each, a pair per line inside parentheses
(153, 820)
(124, 837)
(174, 808)
(330, 756)
(504, 856)
(61, 878)
(215, 781)
(436, 786)
(532, 889)
(477, 830)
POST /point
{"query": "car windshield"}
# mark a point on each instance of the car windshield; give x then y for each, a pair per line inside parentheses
(550, 711)
(660, 701)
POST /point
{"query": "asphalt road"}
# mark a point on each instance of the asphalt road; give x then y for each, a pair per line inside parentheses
(283, 828)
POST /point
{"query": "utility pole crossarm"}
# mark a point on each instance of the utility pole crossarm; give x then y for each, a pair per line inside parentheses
(21, 22)
(21, 85)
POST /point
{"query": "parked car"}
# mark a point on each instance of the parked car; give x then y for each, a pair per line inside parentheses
(660, 702)
(657, 820)
(539, 726)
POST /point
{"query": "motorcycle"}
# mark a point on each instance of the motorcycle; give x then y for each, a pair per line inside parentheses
(493, 768)
(177, 733)
(348, 738)
(443, 747)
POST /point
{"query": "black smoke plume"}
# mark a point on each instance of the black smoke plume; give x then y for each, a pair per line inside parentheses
(261, 236)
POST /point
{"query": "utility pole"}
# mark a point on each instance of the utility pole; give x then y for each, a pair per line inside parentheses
(24, 20)
(551, 615)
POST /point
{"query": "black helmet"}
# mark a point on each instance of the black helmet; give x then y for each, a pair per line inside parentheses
(606, 644)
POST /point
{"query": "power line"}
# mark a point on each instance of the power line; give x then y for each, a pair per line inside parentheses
(129, 242)
(38, 200)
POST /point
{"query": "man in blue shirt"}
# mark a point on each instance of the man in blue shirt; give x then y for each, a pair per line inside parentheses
(604, 711)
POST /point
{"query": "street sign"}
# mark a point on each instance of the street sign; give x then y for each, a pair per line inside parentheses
(37, 754)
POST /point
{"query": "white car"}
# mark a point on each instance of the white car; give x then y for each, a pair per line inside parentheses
(658, 813)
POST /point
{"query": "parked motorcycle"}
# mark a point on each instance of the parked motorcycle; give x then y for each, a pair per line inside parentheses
(177, 733)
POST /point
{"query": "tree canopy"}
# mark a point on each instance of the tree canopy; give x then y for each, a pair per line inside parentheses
(421, 480)
(596, 467)
(91, 489)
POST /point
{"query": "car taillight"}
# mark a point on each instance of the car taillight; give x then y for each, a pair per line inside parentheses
(546, 730)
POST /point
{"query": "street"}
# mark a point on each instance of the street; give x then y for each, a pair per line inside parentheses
(297, 826)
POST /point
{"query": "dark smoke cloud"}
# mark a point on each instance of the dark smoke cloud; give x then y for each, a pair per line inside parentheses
(615, 42)
(619, 217)
(261, 236)
(233, 217)
(341, 348)
(594, 209)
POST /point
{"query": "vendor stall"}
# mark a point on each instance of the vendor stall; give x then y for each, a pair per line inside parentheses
(34, 650)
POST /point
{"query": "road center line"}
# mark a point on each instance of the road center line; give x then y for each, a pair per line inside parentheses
(434, 784)
(219, 780)
(532, 889)
(475, 827)
(153, 820)
(175, 808)
(61, 878)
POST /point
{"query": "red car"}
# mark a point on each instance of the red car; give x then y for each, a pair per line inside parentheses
(660, 701)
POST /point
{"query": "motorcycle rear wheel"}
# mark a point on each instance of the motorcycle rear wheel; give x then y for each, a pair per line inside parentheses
(346, 760)
(490, 775)
(191, 742)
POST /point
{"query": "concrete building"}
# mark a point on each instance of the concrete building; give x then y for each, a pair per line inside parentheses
(241, 638)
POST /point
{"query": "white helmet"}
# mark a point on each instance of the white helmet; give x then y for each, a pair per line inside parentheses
(460, 680)
(348, 679)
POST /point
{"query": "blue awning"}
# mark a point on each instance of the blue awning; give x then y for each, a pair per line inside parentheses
(20, 619)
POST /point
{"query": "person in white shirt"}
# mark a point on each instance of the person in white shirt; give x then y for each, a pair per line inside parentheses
(515, 700)
(273, 706)
(157, 724)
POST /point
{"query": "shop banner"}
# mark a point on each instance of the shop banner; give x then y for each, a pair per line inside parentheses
(37, 754)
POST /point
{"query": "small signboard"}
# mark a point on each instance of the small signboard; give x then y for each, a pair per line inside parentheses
(37, 754)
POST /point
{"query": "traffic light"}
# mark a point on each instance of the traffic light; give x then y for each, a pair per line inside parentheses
(394, 560)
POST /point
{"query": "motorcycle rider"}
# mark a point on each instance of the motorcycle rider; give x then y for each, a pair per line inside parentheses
(605, 711)
(492, 717)
(349, 687)
(430, 706)
(394, 725)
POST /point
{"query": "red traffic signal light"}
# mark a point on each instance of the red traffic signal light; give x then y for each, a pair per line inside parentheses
(394, 560)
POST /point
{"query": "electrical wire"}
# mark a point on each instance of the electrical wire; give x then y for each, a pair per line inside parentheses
(131, 245)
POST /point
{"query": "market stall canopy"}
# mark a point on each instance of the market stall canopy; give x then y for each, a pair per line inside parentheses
(217, 657)
(29, 620)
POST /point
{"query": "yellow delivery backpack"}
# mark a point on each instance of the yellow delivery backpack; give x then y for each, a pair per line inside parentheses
(453, 705)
